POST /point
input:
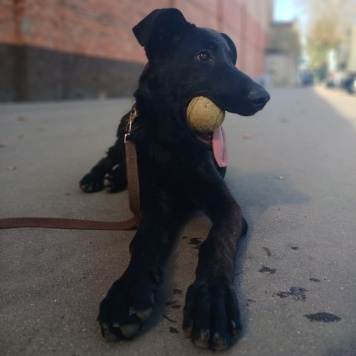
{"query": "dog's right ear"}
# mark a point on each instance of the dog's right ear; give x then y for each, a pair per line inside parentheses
(233, 50)
(159, 30)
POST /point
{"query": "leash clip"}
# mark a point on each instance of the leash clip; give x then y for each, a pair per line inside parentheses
(132, 117)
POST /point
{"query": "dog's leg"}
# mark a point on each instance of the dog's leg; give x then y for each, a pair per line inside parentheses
(111, 168)
(211, 312)
(130, 300)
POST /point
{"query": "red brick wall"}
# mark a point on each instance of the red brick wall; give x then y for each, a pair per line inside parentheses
(103, 27)
(45, 45)
(8, 31)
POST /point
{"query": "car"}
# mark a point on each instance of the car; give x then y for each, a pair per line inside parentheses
(307, 78)
(335, 79)
(349, 84)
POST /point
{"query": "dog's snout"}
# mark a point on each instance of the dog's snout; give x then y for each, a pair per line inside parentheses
(259, 97)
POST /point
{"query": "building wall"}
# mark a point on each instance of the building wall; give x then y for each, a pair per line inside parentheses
(282, 69)
(61, 49)
(283, 54)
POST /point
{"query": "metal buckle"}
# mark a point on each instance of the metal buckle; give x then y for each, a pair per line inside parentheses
(132, 117)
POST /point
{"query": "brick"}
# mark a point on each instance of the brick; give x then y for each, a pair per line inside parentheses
(102, 28)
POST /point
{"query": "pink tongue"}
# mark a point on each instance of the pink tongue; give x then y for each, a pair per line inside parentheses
(220, 147)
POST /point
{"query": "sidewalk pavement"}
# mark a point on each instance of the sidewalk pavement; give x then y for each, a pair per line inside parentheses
(293, 171)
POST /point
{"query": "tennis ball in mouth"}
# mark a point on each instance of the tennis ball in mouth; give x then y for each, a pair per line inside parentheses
(203, 115)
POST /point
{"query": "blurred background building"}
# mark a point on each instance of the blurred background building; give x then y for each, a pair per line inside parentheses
(71, 49)
(284, 54)
(351, 49)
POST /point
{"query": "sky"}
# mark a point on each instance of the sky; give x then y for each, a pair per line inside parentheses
(285, 10)
(288, 10)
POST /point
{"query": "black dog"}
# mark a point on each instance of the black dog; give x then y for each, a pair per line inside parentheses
(178, 172)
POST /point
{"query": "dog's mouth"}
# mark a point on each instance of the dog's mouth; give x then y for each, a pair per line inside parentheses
(216, 142)
(205, 138)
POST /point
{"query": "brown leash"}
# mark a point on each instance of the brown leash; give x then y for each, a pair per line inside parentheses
(134, 200)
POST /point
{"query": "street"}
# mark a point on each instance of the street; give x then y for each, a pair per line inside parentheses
(292, 170)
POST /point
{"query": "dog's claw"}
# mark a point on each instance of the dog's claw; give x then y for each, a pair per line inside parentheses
(130, 330)
(107, 334)
(219, 343)
(126, 307)
(234, 329)
(91, 183)
(144, 314)
(203, 340)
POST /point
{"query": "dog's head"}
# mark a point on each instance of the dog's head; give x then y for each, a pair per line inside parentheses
(198, 61)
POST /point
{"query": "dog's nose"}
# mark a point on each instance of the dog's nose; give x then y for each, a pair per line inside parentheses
(259, 97)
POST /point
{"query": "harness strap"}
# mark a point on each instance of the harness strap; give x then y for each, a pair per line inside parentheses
(61, 223)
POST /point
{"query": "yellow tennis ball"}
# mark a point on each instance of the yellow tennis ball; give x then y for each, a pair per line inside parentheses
(203, 115)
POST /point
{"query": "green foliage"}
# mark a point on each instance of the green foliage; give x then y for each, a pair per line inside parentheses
(324, 36)
(329, 21)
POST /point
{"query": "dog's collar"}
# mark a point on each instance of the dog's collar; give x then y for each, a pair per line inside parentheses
(216, 139)
(132, 117)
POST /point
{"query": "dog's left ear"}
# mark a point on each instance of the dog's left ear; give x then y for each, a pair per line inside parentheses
(159, 30)
(232, 47)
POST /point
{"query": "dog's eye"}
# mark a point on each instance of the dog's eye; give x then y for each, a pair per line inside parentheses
(203, 56)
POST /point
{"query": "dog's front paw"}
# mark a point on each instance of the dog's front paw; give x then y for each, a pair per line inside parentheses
(126, 307)
(92, 183)
(211, 315)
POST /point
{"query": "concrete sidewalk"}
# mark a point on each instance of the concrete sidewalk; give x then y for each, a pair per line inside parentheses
(293, 171)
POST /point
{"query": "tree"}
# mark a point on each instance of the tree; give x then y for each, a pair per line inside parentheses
(328, 22)
(324, 36)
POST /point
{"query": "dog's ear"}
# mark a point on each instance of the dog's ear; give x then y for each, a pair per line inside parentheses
(232, 47)
(159, 30)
